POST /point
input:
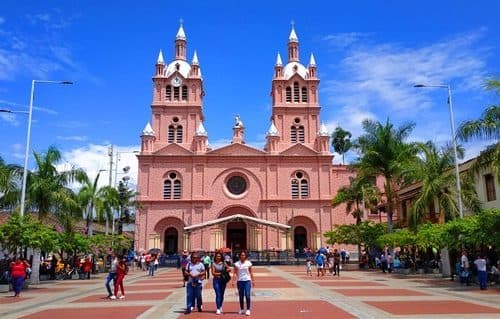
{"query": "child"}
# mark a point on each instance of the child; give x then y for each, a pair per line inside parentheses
(308, 267)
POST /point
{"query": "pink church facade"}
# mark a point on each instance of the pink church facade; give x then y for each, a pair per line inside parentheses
(237, 196)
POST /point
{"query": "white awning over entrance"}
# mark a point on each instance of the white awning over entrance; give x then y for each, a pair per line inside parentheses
(237, 217)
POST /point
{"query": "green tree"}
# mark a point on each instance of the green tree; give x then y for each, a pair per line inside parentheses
(49, 192)
(365, 234)
(433, 169)
(341, 141)
(384, 152)
(10, 179)
(127, 203)
(360, 194)
(486, 128)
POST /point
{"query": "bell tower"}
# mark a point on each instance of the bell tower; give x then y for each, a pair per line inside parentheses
(177, 106)
(295, 106)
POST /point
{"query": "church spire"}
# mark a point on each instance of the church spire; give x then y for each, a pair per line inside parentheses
(293, 45)
(160, 64)
(180, 43)
(278, 60)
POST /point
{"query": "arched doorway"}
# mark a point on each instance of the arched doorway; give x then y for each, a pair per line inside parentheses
(299, 239)
(236, 236)
(171, 241)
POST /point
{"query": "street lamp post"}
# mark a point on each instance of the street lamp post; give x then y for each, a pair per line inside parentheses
(28, 136)
(454, 140)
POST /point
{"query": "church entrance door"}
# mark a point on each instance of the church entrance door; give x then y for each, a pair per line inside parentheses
(237, 236)
(299, 238)
(171, 241)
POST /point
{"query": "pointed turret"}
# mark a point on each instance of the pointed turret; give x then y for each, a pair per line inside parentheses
(201, 130)
(180, 44)
(312, 66)
(195, 59)
(278, 60)
(147, 139)
(278, 67)
(273, 130)
(293, 46)
(323, 131)
(195, 66)
(148, 130)
(160, 64)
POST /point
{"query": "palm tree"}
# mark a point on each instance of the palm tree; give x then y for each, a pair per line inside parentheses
(126, 202)
(359, 195)
(96, 202)
(49, 192)
(384, 152)
(341, 141)
(433, 168)
(10, 176)
(487, 127)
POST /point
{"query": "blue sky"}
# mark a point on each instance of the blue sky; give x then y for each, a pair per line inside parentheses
(369, 54)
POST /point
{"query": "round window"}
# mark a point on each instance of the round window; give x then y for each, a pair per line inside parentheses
(237, 185)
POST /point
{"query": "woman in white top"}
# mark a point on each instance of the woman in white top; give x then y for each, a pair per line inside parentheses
(244, 274)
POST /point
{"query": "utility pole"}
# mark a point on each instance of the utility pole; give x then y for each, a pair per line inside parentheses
(110, 181)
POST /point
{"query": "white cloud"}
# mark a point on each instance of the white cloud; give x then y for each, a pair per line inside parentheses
(76, 138)
(93, 158)
(375, 80)
(344, 40)
(10, 118)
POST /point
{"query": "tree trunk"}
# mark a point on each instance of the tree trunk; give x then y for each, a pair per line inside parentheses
(388, 194)
(107, 225)
(35, 268)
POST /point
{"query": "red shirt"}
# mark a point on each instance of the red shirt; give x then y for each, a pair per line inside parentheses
(18, 269)
(87, 265)
(119, 270)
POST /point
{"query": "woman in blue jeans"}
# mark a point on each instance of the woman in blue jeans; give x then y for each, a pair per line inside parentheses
(219, 283)
(244, 274)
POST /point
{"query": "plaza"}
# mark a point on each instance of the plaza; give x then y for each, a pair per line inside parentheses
(280, 292)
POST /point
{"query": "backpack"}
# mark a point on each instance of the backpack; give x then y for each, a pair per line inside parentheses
(319, 259)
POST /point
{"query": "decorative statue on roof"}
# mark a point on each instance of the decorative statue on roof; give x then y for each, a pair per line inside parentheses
(238, 121)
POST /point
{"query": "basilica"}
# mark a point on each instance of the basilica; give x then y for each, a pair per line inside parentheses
(193, 196)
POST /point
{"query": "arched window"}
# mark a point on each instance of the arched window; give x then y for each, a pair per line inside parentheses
(168, 93)
(295, 188)
(296, 92)
(184, 93)
(300, 186)
(293, 134)
(167, 189)
(179, 134)
(174, 192)
(288, 94)
(176, 93)
(304, 94)
(171, 133)
(300, 134)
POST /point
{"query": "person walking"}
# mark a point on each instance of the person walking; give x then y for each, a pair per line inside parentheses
(244, 275)
(185, 259)
(206, 262)
(465, 271)
(87, 268)
(152, 265)
(18, 274)
(195, 270)
(112, 275)
(336, 263)
(480, 263)
(121, 271)
(220, 273)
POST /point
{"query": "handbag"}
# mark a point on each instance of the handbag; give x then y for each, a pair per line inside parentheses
(225, 275)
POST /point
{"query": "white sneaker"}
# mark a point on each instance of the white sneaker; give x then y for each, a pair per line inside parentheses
(122, 297)
(192, 308)
(217, 312)
(113, 297)
(247, 313)
(241, 312)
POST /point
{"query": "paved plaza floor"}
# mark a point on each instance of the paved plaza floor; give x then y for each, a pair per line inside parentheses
(280, 292)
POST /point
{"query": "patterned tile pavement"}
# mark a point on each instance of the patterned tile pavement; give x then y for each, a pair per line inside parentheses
(280, 292)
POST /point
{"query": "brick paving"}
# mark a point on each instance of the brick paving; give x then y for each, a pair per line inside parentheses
(280, 292)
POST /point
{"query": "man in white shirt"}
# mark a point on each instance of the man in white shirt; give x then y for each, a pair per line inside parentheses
(480, 263)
